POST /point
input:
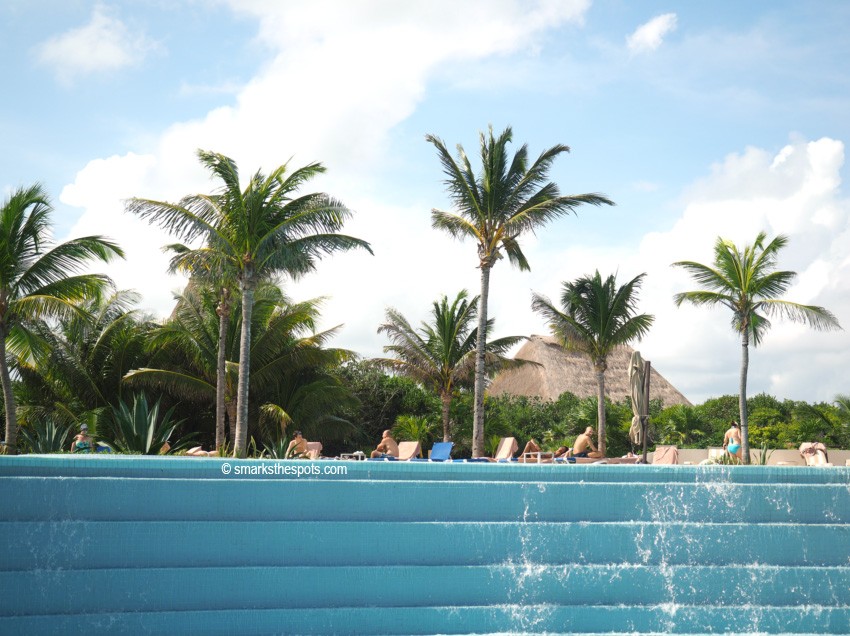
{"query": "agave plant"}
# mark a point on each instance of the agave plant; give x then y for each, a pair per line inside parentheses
(141, 430)
(276, 449)
(45, 436)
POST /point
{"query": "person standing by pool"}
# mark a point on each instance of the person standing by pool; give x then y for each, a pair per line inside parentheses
(387, 447)
(83, 443)
(732, 440)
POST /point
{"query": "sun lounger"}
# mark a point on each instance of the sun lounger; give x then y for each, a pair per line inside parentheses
(537, 457)
(408, 450)
(505, 451)
(314, 450)
(440, 452)
(198, 451)
(665, 455)
(814, 453)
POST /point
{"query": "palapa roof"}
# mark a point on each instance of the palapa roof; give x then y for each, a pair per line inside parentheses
(558, 370)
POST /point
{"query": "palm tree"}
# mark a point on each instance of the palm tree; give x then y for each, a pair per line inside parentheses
(39, 279)
(597, 316)
(746, 281)
(495, 208)
(71, 369)
(290, 376)
(441, 355)
(256, 233)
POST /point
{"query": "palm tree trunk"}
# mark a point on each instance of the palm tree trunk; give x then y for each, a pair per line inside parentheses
(480, 347)
(8, 399)
(742, 397)
(447, 426)
(600, 410)
(223, 312)
(241, 441)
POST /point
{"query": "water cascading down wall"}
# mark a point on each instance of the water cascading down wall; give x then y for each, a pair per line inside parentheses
(167, 545)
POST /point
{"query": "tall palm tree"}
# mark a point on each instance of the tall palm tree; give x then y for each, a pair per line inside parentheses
(39, 279)
(746, 281)
(290, 377)
(257, 233)
(441, 354)
(597, 316)
(506, 199)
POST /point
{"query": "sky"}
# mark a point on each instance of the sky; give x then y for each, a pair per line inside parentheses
(700, 120)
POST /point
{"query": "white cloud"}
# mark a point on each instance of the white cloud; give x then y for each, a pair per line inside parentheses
(340, 79)
(796, 192)
(341, 76)
(649, 36)
(104, 44)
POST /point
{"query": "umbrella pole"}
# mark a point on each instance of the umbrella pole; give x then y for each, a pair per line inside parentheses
(644, 418)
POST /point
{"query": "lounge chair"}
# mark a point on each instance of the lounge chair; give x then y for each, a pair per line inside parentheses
(537, 457)
(505, 451)
(408, 450)
(198, 451)
(314, 450)
(440, 452)
(665, 455)
(814, 453)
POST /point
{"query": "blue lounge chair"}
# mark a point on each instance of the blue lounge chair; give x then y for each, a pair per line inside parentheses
(440, 452)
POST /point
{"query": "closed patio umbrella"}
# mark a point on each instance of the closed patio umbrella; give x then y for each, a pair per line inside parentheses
(639, 383)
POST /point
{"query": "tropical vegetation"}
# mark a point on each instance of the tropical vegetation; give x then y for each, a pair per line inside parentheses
(595, 317)
(440, 354)
(747, 282)
(252, 235)
(39, 280)
(77, 350)
(505, 200)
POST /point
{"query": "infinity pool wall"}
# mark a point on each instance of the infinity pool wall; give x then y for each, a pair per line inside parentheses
(169, 545)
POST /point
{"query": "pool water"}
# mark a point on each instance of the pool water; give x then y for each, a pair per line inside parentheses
(206, 546)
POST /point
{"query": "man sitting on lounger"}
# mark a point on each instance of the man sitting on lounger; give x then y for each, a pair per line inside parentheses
(387, 447)
(583, 443)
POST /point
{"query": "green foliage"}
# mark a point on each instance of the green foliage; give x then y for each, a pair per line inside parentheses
(440, 354)
(39, 280)
(45, 436)
(141, 430)
(595, 317)
(381, 398)
(414, 428)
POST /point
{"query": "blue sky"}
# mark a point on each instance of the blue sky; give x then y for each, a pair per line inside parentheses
(699, 119)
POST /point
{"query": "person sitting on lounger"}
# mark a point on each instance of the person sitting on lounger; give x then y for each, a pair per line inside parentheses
(732, 440)
(387, 447)
(297, 448)
(583, 443)
(531, 447)
(562, 451)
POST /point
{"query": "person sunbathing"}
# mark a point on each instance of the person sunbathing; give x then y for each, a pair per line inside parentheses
(583, 443)
(297, 448)
(387, 447)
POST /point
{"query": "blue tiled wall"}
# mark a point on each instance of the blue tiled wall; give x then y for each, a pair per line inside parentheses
(207, 546)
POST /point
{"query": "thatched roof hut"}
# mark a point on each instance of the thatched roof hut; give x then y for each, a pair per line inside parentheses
(558, 370)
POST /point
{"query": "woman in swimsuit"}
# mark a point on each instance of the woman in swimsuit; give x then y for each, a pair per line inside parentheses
(83, 443)
(732, 440)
